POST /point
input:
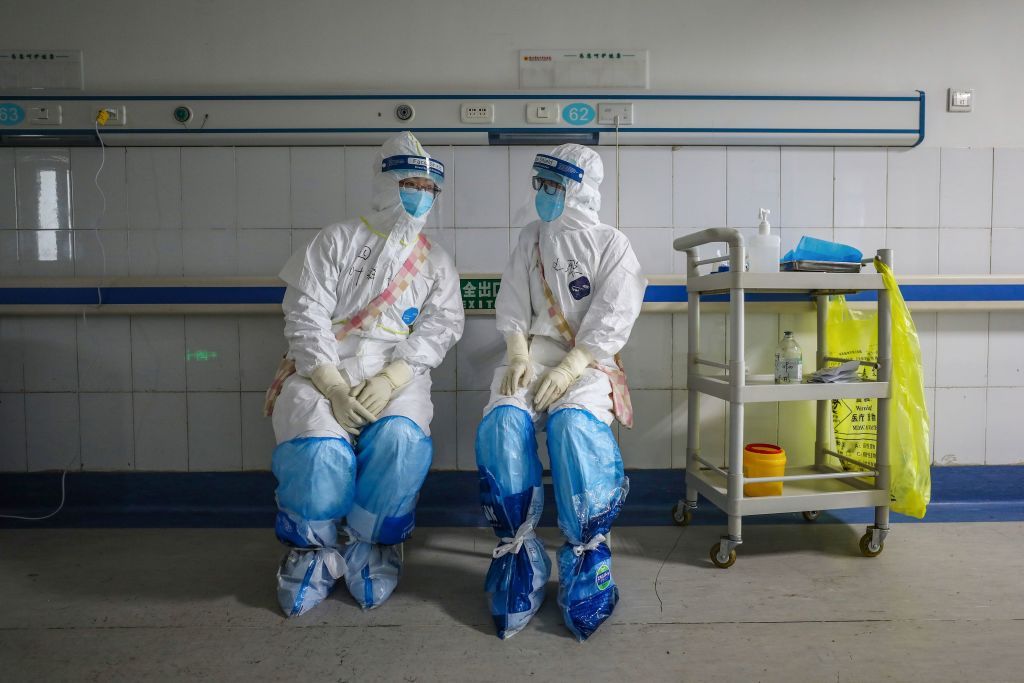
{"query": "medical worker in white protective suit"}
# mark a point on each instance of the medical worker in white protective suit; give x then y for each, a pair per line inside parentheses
(569, 297)
(371, 307)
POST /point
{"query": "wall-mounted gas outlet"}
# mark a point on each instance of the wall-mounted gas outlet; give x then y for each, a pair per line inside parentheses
(48, 115)
(960, 100)
(116, 116)
(477, 112)
(607, 111)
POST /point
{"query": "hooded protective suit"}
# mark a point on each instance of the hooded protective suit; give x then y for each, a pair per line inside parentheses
(323, 472)
(596, 281)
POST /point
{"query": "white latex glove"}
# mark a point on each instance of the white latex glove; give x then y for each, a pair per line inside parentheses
(559, 378)
(375, 393)
(349, 413)
(520, 370)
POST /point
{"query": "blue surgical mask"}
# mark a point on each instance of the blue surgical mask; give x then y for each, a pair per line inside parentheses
(416, 202)
(550, 206)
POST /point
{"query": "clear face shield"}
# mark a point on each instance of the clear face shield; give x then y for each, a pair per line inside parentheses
(544, 197)
(419, 184)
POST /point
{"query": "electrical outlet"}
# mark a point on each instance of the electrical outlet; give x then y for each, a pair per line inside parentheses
(542, 112)
(117, 116)
(477, 112)
(49, 115)
(606, 113)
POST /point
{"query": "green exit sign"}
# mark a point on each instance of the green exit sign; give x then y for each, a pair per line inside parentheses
(479, 293)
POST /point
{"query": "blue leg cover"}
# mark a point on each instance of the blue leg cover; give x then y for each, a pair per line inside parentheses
(393, 456)
(513, 498)
(590, 488)
(315, 485)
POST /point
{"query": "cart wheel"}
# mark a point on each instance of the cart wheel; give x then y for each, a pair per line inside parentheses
(682, 514)
(865, 546)
(714, 556)
(812, 515)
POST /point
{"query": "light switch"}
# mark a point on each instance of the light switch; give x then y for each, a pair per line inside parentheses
(542, 112)
(960, 100)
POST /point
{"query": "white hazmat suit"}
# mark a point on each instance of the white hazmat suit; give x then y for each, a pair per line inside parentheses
(596, 281)
(332, 460)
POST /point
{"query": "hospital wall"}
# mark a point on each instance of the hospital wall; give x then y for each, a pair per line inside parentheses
(183, 392)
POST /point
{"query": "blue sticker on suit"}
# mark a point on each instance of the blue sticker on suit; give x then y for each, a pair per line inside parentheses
(409, 315)
(580, 287)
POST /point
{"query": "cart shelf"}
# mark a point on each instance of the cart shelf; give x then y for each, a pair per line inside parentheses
(767, 391)
(812, 283)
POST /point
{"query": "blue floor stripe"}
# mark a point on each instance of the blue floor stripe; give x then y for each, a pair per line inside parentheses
(246, 499)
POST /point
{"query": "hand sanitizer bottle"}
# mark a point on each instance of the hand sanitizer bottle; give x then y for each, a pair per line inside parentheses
(764, 248)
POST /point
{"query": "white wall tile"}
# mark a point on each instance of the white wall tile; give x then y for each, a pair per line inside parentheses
(916, 250)
(964, 251)
(104, 353)
(443, 377)
(161, 432)
(481, 174)
(208, 188)
(653, 248)
(679, 346)
(761, 336)
(210, 252)
(806, 187)
(482, 250)
(928, 337)
(263, 252)
(8, 197)
(214, 431)
(317, 186)
(1007, 250)
(698, 181)
(648, 355)
(1002, 439)
(679, 257)
(257, 433)
(261, 346)
(12, 354)
(609, 187)
(211, 353)
(649, 443)
(678, 429)
(754, 183)
(481, 350)
(155, 253)
(10, 264)
(13, 455)
(442, 214)
(713, 343)
(1008, 179)
(960, 416)
(158, 353)
(45, 253)
(154, 188)
(101, 253)
(860, 187)
(760, 423)
(44, 188)
(521, 193)
(51, 354)
(962, 350)
(359, 171)
(1005, 361)
(965, 191)
(264, 187)
(106, 207)
(444, 431)
(302, 238)
(713, 429)
(929, 400)
(646, 186)
(469, 412)
(797, 431)
(868, 240)
(912, 197)
(108, 441)
(52, 431)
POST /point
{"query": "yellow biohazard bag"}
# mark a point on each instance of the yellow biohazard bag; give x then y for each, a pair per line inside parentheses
(853, 334)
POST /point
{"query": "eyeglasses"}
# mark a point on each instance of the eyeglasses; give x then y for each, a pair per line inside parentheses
(424, 184)
(549, 186)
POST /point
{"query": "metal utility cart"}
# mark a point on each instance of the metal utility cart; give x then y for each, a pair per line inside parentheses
(807, 489)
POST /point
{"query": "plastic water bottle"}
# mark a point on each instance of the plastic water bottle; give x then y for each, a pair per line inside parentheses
(789, 361)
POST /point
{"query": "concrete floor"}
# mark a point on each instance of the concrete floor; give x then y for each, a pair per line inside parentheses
(942, 603)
